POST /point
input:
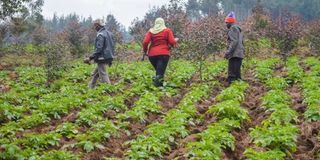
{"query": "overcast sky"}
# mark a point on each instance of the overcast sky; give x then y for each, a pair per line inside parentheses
(124, 10)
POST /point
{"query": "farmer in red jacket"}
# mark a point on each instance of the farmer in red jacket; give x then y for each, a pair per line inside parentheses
(156, 45)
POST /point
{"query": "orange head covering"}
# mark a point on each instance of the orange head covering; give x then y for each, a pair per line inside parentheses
(231, 18)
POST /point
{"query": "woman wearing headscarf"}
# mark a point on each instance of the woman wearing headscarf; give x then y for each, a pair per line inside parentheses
(156, 45)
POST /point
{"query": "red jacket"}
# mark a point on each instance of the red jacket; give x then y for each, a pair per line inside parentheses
(159, 43)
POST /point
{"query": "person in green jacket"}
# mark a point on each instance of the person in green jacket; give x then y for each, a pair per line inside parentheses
(236, 51)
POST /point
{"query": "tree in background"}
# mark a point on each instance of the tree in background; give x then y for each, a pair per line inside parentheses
(286, 31)
(202, 39)
(10, 8)
(75, 36)
(56, 52)
(21, 17)
(255, 29)
(313, 36)
(173, 14)
(193, 9)
(40, 36)
(209, 7)
(114, 27)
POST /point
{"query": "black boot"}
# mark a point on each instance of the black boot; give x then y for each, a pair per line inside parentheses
(158, 81)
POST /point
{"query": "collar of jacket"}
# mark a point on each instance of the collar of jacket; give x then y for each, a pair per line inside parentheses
(235, 25)
(103, 28)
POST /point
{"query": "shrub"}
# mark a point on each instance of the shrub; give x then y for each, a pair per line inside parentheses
(286, 31)
(313, 36)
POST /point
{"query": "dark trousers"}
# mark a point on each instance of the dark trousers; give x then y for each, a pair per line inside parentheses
(160, 64)
(234, 69)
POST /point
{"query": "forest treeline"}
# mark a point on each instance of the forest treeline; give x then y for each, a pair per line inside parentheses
(22, 24)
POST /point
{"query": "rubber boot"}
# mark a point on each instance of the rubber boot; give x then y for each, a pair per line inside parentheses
(158, 81)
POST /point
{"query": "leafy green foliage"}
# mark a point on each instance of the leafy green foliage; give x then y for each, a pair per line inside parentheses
(295, 71)
(11, 151)
(281, 115)
(275, 98)
(311, 90)
(278, 132)
(313, 113)
(100, 131)
(159, 135)
(68, 130)
(148, 103)
(216, 137)
(277, 83)
(59, 155)
(30, 104)
(264, 69)
(229, 109)
(10, 112)
(276, 136)
(234, 92)
(251, 154)
(40, 141)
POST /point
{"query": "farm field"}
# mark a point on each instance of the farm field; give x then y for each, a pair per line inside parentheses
(274, 114)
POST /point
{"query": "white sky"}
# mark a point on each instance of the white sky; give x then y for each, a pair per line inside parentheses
(124, 10)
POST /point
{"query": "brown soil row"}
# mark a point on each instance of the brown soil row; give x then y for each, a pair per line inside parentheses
(308, 144)
(257, 114)
(179, 150)
(115, 146)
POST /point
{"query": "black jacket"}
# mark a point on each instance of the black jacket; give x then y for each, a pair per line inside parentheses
(104, 47)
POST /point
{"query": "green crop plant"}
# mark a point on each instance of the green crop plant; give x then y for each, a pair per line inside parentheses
(58, 155)
(218, 136)
(11, 151)
(275, 98)
(313, 113)
(213, 140)
(99, 132)
(234, 92)
(264, 69)
(281, 115)
(148, 103)
(157, 137)
(276, 83)
(252, 154)
(283, 137)
(68, 130)
(295, 72)
(229, 109)
(10, 112)
(40, 141)
(311, 90)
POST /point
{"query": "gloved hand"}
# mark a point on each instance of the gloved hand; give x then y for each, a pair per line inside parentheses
(87, 60)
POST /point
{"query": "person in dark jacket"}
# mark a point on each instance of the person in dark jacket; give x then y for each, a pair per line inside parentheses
(103, 54)
(156, 45)
(236, 51)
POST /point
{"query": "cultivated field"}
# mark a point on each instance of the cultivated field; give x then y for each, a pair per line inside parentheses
(273, 114)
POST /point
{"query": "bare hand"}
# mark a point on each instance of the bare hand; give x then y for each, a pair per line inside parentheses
(86, 60)
(176, 39)
(226, 56)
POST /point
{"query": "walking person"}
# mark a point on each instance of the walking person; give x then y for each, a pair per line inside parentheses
(103, 54)
(156, 45)
(236, 51)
